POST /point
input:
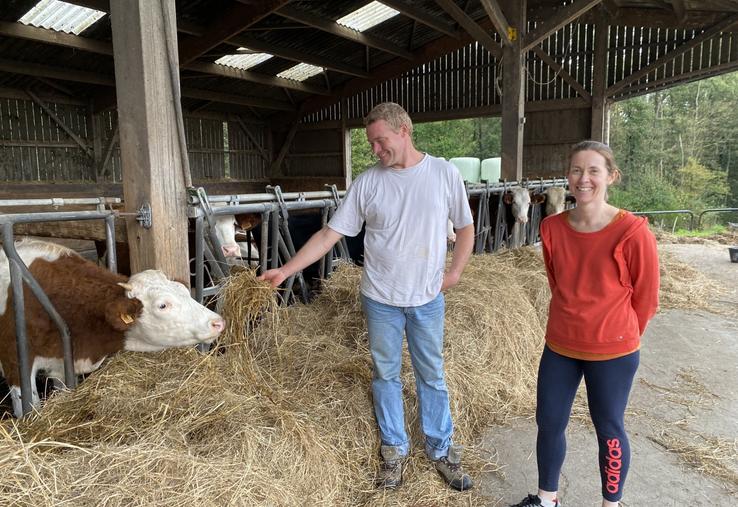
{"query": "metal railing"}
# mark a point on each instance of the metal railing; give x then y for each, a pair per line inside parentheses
(670, 212)
(714, 210)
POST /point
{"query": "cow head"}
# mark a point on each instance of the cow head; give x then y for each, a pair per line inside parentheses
(555, 200)
(225, 231)
(519, 198)
(168, 317)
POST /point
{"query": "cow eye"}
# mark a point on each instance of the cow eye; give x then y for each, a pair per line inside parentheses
(163, 305)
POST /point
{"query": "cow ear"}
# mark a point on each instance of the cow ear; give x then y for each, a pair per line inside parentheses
(122, 313)
(507, 198)
(538, 199)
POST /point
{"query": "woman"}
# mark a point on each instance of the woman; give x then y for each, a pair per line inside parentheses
(602, 267)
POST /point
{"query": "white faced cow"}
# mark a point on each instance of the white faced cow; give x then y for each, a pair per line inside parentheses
(519, 200)
(555, 200)
(226, 229)
(105, 313)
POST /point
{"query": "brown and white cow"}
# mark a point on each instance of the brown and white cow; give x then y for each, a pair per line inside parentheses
(105, 313)
(228, 227)
(555, 199)
(519, 200)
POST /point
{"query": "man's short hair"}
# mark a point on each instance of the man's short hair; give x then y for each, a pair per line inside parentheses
(393, 114)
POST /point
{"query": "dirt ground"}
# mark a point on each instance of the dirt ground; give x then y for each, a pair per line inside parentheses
(682, 417)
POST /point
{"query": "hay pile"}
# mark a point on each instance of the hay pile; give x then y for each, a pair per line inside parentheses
(683, 287)
(709, 455)
(727, 237)
(281, 412)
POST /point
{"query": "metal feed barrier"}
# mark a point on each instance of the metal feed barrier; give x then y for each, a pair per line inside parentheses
(274, 209)
(19, 273)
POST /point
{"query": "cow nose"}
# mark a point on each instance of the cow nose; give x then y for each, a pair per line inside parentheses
(231, 250)
(217, 325)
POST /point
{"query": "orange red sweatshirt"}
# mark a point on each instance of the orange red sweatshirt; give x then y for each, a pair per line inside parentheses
(604, 284)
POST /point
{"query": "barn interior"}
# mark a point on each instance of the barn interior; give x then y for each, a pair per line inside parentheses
(92, 91)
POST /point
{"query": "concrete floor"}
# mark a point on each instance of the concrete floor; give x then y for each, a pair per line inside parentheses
(686, 388)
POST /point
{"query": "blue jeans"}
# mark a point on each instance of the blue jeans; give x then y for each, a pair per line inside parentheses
(424, 328)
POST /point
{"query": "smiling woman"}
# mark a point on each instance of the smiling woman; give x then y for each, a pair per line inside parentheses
(603, 271)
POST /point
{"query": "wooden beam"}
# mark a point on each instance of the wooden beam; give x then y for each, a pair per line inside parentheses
(392, 69)
(276, 169)
(298, 56)
(15, 93)
(34, 69)
(99, 79)
(27, 32)
(513, 93)
(246, 130)
(255, 77)
(56, 86)
(232, 22)
(568, 78)
(680, 79)
(598, 124)
(85, 44)
(236, 41)
(680, 9)
(81, 142)
(498, 20)
(667, 57)
(102, 169)
(563, 17)
(242, 100)
(344, 32)
(149, 143)
(422, 17)
(660, 18)
(472, 28)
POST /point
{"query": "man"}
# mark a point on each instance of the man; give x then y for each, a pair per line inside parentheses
(406, 201)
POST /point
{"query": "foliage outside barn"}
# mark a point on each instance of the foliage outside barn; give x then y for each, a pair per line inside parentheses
(677, 148)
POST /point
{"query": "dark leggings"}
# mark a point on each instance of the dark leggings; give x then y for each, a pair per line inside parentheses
(608, 386)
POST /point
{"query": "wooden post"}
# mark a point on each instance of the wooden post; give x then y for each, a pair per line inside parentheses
(149, 146)
(599, 130)
(346, 143)
(513, 91)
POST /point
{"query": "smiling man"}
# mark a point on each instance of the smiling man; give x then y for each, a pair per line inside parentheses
(406, 200)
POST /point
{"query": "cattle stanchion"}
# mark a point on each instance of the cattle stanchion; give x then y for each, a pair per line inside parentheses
(285, 244)
(342, 246)
(19, 273)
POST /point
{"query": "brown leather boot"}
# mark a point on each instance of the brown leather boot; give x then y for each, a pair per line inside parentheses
(390, 471)
(450, 469)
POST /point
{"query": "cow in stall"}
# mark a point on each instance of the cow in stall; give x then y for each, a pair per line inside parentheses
(518, 201)
(555, 199)
(105, 313)
(229, 230)
(232, 232)
(302, 224)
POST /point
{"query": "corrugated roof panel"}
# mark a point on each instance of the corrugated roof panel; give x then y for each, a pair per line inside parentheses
(368, 16)
(244, 61)
(300, 72)
(61, 16)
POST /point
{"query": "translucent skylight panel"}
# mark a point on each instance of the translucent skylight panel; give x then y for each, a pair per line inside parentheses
(368, 16)
(300, 72)
(244, 61)
(61, 16)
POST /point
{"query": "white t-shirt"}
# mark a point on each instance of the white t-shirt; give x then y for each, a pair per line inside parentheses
(406, 213)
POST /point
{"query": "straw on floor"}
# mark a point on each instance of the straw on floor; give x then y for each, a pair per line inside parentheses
(280, 412)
